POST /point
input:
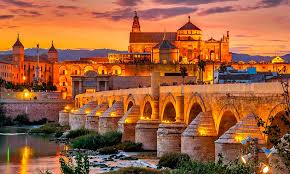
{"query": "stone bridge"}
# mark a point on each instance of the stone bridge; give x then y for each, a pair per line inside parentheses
(200, 120)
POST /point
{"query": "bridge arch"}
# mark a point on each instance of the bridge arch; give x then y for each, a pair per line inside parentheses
(169, 109)
(277, 113)
(196, 105)
(130, 101)
(147, 107)
(228, 117)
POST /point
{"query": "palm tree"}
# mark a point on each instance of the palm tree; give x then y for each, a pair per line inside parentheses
(201, 66)
(183, 72)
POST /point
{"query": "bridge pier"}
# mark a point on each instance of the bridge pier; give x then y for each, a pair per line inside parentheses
(169, 138)
(198, 138)
(128, 123)
(63, 119)
(108, 121)
(92, 119)
(77, 120)
(146, 133)
(229, 144)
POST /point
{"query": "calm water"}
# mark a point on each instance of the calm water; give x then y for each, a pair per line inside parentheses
(27, 154)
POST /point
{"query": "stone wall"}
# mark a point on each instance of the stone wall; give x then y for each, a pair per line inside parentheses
(117, 82)
(36, 110)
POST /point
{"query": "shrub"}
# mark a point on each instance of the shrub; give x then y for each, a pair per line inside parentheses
(49, 128)
(137, 170)
(173, 160)
(82, 165)
(129, 146)
(77, 133)
(22, 119)
(108, 150)
(96, 141)
(211, 168)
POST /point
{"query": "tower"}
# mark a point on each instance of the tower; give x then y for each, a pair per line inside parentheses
(52, 54)
(18, 61)
(136, 24)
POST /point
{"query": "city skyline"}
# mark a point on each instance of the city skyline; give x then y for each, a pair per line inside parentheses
(256, 27)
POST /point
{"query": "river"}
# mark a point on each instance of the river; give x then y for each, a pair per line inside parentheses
(21, 153)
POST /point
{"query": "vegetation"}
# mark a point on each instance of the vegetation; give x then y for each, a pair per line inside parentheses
(173, 160)
(137, 170)
(201, 66)
(4, 120)
(183, 72)
(129, 146)
(96, 141)
(21, 119)
(50, 128)
(193, 167)
(82, 165)
(108, 150)
(77, 133)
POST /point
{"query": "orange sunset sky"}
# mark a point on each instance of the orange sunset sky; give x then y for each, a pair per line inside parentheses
(256, 26)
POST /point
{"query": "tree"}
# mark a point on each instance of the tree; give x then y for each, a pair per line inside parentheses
(82, 165)
(183, 72)
(201, 66)
(223, 68)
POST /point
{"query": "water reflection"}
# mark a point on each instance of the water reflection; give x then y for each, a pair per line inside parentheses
(27, 154)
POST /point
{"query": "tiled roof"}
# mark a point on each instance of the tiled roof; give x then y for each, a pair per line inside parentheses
(18, 43)
(151, 37)
(189, 26)
(165, 44)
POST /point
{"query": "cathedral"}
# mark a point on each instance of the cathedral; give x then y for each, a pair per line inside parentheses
(164, 52)
(186, 45)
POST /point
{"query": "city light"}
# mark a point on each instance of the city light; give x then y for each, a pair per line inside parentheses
(202, 131)
(266, 169)
(246, 158)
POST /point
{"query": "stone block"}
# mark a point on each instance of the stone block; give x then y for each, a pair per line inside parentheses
(92, 123)
(63, 119)
(77, 121)
(146, 133)
(169, 138)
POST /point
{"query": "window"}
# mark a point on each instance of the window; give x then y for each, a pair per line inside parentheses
(116, 72)
(76, 72)
(63, 72)
(103, 71)
(24, 67)
(33, 67)
(63, 83)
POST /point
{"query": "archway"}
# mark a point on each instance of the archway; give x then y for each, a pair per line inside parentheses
(194, 111)
(169, 113)
(147, 112)
(130, 104)
(228, 120)
(280, 125)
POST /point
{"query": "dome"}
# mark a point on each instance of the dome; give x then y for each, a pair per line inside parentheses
(278, 59)
(18, 43)
(189, 26)
(52, 48)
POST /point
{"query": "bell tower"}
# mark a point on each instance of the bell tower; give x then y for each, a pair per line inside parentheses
(52, 54)
(18, 60)
(136, 24)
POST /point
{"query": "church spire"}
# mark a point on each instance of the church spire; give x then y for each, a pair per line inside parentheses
(188, 18)
(136, 24)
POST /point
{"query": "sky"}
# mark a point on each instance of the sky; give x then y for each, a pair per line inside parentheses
(257, 27)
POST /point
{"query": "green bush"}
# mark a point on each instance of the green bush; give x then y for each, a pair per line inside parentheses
(50, 128)
(173, 160)
(211, 168)
(137, 170)
(96, 141)
(129, 146)
(77, 133)
(22, 119)
(108, 150)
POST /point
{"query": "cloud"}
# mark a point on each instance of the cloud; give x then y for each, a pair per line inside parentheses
(128, 3)
(217, 10)
(259, 5)
(26, 13)
(189, 2)
(149, 14)
(2, 17)
(67, 7)
(277, 40)
(19, 3)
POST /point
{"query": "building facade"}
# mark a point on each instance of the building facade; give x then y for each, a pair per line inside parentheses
(164, 52)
